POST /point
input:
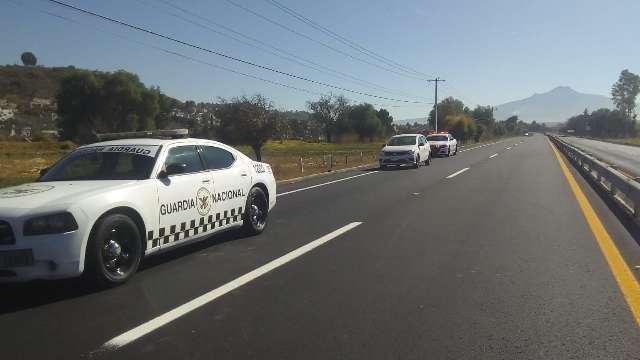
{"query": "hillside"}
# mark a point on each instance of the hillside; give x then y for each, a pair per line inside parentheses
(422, 120)
(553, 106)
(19, 84)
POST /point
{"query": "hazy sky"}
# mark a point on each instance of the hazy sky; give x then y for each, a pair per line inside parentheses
(490, 52)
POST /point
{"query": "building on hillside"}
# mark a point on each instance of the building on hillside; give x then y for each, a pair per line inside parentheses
(40, 103)
(26, 132)
(6, 114)
(50, 133)
(6, 104)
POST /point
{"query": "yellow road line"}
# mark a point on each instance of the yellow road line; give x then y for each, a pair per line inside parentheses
(621, 272)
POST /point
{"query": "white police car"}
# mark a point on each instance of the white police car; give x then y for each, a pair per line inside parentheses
(443, 144)
(103, 207)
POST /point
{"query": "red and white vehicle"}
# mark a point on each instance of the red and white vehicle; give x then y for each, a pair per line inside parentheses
(442, 144)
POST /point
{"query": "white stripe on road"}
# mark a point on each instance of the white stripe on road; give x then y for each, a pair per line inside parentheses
(327, 183)
(492, 156)
(151, 325)
(457, 173)
(508, 148)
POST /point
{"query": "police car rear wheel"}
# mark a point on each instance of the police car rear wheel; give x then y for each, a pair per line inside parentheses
(428, 161)
(114, 251)
(256, 212)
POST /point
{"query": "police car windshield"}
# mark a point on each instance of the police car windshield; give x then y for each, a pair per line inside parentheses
(103, 163)
(402, 140)
(437, 138)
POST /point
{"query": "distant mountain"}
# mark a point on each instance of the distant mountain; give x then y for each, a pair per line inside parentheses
(422, 120)
(554, 106)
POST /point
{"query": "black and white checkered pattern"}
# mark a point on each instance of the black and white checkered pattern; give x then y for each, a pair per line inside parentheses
(184, 230)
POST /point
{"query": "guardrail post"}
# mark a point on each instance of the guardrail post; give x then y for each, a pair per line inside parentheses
(361, 156)
(330, 161)
(346, 160)
(301, 163)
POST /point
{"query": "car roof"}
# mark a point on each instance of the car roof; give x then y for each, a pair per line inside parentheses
(407, 135)
(153, 141)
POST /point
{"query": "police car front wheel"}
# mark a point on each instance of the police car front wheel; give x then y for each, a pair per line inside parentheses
(256, 211)
(114, 250)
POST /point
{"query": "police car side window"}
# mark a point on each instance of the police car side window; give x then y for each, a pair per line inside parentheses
(217, 158)
(187, 154)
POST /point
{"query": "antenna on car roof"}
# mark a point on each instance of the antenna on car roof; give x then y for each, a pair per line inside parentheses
(155, 134)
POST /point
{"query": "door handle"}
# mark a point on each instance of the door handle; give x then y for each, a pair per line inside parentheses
(206, 181)
(243, 174)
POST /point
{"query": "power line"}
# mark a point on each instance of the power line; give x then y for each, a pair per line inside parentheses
(344, 40)
(435, 104)
(319, 42)
(287, 55)
(247, 62)
(170, 52)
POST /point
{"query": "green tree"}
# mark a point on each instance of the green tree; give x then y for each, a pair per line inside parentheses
(511, 124)
(327, 112)
(250, 121)
(91, 102)
(386, 121)
(28, 58)
(365, 121)
(625, 91)
(461, 126)
(446, 107)
(483, 115)
(78, 101)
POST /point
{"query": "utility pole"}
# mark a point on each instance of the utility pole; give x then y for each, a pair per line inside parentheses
(436, 80)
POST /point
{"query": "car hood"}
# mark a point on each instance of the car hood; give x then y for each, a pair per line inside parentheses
(36, 195)
(399, 148)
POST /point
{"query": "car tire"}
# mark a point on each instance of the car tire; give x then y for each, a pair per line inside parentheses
(256, 212)
(114, 250)
(416, 164)
(448, 152)
(383, 167)
(428, 161)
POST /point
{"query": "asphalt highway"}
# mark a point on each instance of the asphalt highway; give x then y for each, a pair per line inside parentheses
(484, 255)
(624, 156)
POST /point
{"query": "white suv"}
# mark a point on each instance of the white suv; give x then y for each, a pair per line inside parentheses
(406, 149)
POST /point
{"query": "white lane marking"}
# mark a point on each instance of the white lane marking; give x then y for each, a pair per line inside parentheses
(477, 147)
(152, 325)
(457, 173)
(492, 156)
(508, 148)
(327, 183)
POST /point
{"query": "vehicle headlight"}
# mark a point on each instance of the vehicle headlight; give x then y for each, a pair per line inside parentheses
(50, 224)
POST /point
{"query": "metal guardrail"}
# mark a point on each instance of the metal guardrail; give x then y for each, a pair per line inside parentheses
(624, 190)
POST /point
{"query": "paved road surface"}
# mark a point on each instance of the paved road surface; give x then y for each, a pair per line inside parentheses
(496, 262)
(625, 156)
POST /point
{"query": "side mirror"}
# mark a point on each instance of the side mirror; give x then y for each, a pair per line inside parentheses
(173, 169)
(44, 171)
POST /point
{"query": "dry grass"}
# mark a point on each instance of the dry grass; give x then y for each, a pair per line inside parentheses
(20, 162)
(626, 141)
